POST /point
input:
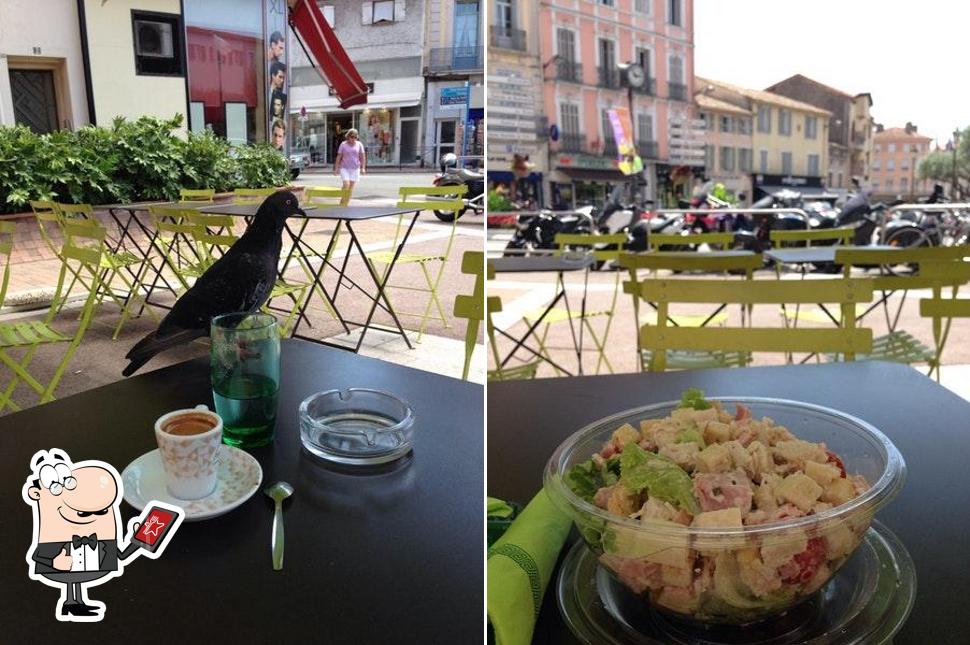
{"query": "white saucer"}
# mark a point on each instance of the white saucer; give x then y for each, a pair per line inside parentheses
(238, 476)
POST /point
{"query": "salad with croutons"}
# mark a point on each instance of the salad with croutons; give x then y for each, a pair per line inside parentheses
(707, 467)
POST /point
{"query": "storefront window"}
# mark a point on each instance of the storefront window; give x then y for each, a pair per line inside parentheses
(226, 68)
(377, 135)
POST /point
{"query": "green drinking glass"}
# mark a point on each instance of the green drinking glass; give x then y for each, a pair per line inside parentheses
(245, 375)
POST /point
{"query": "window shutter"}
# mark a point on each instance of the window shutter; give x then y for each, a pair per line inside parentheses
(367, 13)
(399, 8)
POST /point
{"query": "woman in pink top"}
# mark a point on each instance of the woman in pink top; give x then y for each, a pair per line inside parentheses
(351, 161)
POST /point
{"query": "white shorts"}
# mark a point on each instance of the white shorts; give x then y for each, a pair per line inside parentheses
(350, 174)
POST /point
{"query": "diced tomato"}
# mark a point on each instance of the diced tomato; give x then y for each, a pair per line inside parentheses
(608, 451)
(742, 412)
(808, 562)
(834, 459)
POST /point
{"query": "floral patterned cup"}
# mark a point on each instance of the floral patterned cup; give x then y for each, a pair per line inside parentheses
(189, 459)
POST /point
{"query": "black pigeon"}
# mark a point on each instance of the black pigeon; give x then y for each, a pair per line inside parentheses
(241, 280)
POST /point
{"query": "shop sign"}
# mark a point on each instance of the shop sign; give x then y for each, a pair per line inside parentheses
(788, 180)
(588, 162)
(453, 96)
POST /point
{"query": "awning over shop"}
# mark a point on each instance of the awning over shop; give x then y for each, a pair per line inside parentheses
(505, 176)
(316, 35)
(584, 174)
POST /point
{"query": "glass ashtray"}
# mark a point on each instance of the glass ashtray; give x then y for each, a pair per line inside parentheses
(356, 426)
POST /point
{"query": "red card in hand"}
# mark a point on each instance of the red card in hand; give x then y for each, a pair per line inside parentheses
(154, 528)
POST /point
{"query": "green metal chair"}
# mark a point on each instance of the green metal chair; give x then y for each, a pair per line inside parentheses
(662, 338)
(121, 265)
(842, 235)
(438, 198)
(472, 307)
(251, 195)
(605, 248)
(49, 220)
(493, 305)
(725, 262)
(214, 236)
(943, 310)
(197, 195)
(28, 336)
(674, 242)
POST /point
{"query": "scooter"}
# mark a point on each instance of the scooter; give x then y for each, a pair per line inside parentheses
(452, 175)
(538, 230)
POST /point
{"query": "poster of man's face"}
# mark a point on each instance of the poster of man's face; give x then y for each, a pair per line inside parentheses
(277, 76)
(277, 47)
(279, 134)
(278, 105)
(276, 70)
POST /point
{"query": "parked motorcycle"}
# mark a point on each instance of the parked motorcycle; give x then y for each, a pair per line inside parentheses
(452, 175)
(928, 227)
(538, 230)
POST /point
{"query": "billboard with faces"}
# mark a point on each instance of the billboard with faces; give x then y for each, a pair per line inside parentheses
(277, 73)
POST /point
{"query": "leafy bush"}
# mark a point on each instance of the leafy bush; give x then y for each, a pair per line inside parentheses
(131, 160)
(498, 203)
(262, 166)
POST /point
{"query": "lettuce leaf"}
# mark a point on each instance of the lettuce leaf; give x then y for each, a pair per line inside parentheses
(694, 398)
(660, 476)
(586, 478)
(691, 434)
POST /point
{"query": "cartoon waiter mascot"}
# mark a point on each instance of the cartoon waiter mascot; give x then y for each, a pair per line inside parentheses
(76, 526)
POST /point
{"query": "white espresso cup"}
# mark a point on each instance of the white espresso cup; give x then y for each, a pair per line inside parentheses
(188, 450)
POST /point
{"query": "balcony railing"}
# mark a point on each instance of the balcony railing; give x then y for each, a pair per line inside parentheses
(542, 127)
(649, 87)
(507, 38)
(570, 71)
(648, 149)
(676, 91)
(609, 148)
(572, 142)
(455, 59)
(608, 77)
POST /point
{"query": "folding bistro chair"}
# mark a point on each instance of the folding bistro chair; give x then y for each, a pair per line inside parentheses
(438, 198)
(678, 242)
(726, 262)
(663, 337)
(251, 195)
(49, 220)
(943, 310)
(605, 248)
(472, 307)
(493, 305)
(197, 195)
(29, 336)
(213, 235)
(121, 265)
(842, 235)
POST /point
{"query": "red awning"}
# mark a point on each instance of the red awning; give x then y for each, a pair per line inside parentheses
(318, 37)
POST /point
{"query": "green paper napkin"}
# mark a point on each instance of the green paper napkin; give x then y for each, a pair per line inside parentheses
(519, 567)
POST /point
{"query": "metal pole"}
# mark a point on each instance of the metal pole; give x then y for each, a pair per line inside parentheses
(956, 141)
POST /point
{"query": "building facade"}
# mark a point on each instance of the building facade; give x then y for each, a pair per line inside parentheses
(896, 154)
(516, 125)
(728, 143)
(581, 44)
(384, 38)
(789, 138)
(850, 126)
(454, 72)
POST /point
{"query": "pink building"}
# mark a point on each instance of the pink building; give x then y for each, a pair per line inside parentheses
(581, 43)
(896, 153)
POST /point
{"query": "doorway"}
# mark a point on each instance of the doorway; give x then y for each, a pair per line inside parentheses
(337, 126)
(445, 138)
(34, 99)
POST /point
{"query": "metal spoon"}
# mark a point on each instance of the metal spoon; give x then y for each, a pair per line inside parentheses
(278, 492)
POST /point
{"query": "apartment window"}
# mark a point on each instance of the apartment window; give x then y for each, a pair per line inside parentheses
(383, 11)
(904, 183)
(709, 157)
(744, 125)
(904, 164)
(607, 128)
(643, 6)
(607, 55)
(606, 3)
(503, 14)
(645, 126)
(642, 59)
(891, 147)
(784, 122)
(890, 164)
(674, 12)
(703, 117)
(877, 148)
(676, 69)
(811, 127)
(763, 163)
(328, 12)
(889, 184)
(786, 163)
(727, 158)
(727, 124)
(813, 166)
(875, 164)
(875, 184)
(764, 119)
(745, 158)
(566, 40)
(840, 180)
(569, 118)
(158, 43)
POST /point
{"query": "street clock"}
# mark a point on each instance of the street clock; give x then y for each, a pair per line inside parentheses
(632, 75)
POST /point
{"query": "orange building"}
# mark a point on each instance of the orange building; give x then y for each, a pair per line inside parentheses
(896, 153)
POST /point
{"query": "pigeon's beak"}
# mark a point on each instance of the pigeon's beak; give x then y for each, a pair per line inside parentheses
(301, 211)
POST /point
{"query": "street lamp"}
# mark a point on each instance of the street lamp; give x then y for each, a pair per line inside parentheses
(956, 142)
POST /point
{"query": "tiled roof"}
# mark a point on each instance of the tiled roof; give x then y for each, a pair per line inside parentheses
(899, 133)
(827, 88)
(706, 102)
(764, 97)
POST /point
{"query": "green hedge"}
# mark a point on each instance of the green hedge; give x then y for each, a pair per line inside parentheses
(130, 161)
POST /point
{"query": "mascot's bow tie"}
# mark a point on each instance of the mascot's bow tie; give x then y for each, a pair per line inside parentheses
(78, 540)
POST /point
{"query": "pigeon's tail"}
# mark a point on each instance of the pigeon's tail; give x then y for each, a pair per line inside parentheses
(145, 349)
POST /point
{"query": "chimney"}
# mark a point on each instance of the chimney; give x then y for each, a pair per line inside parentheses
(879, 127)
(910, 128)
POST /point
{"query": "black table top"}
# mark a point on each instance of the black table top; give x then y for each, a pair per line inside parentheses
(389, 557)
(816, 253)
(142, 206)
(541, 263)
(527, 420)
(334, 213)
